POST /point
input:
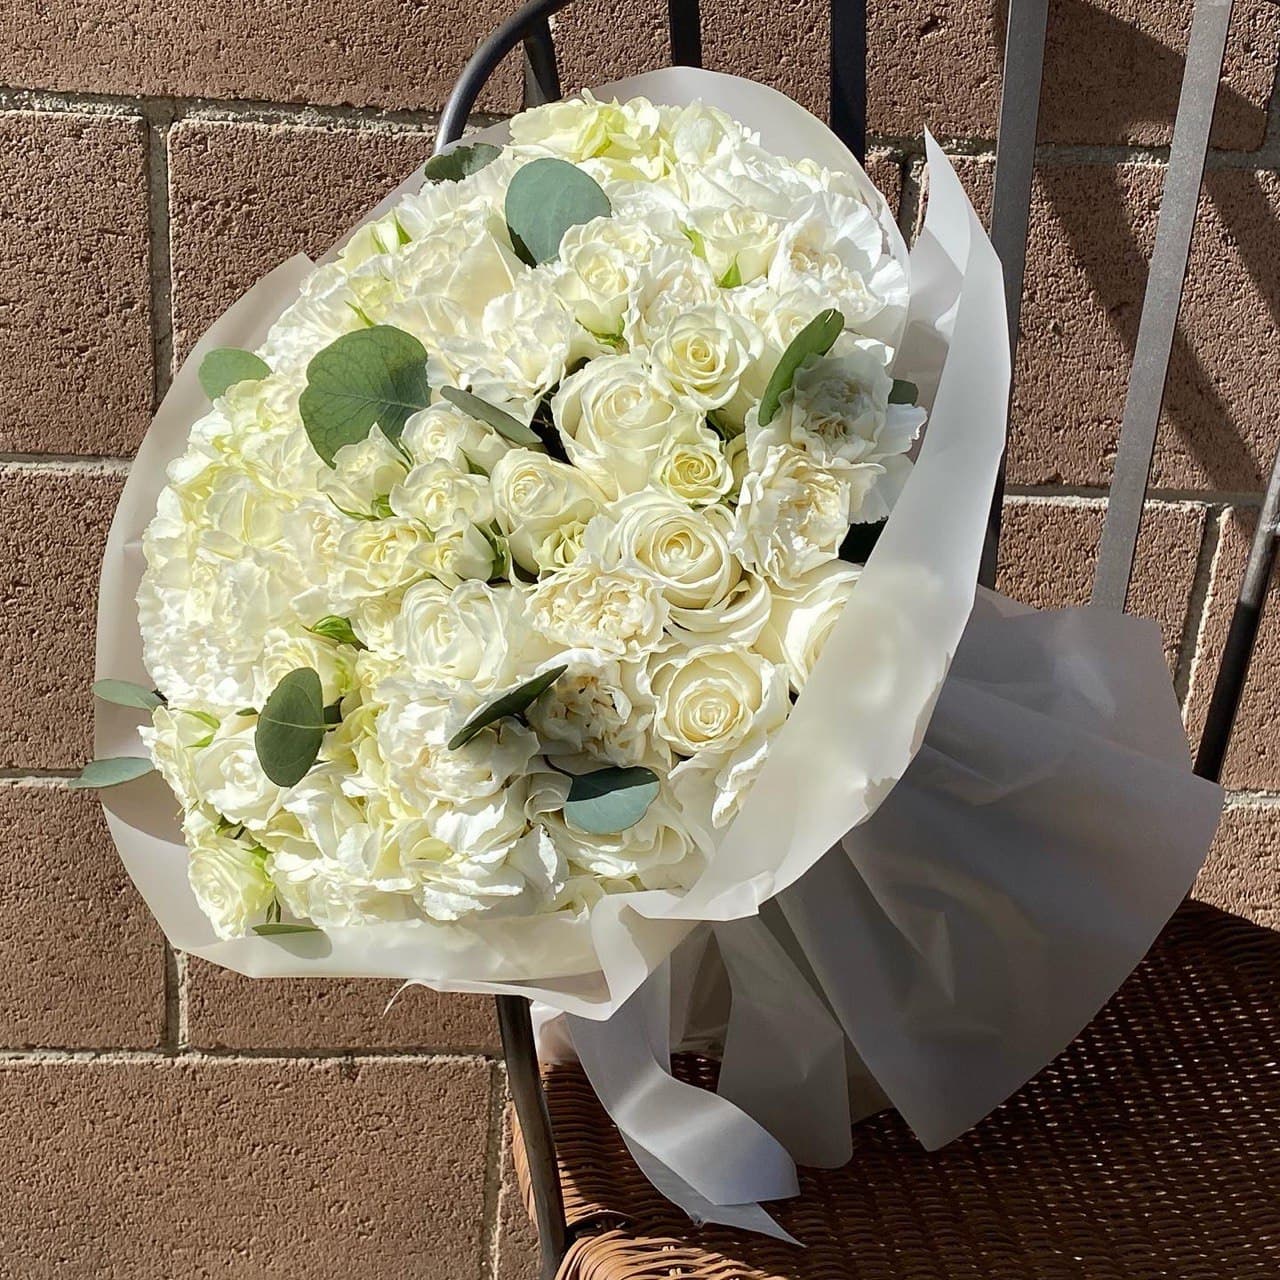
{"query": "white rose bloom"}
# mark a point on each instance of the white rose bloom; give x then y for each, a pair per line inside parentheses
(363, 474)
(462, 636)
(618, 611)
(736, 618)
(793, 514)
(228, 877)
(598, 266)
(459, 554)
(700, 135)
(695, 470)
(703, 354)
(801, 618)
(372, 557)
(615, 422)
(445, 433)
(230, 779)
(686, 552)
(735, 239)
(286, 649)
(535, 497)
(620, 140)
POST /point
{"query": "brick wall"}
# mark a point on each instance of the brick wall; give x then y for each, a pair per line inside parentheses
(164, 1118)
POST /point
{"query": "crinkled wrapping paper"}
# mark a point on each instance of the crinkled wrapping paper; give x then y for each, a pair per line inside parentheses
(935, 881)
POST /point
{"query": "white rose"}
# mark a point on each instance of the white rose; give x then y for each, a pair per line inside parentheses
(460, 636)
(715, 699)
(736, 618)
(460, 553)
(700, 134)
(229, 777)
(535, 496)
(441, 495)
(445, 432)
(736, 239)
(373, 557)
(685, 551)
(597, 270)
(695, 470)
(618, 611)
(617, 140)
(793, 514)
(615, 422)
(363, 473)
(801, 618)
(702, 355)
(228, 878)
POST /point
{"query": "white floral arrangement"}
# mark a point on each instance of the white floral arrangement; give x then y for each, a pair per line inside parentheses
(490, 576)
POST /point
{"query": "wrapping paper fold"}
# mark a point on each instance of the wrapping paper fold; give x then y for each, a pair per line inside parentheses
(918, 918)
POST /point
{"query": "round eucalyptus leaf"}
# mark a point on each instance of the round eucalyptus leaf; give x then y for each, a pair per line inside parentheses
(460, 162)
(545, 198)
(223, 367)
(511, 703)
(505, 424)
(606, 801)
(111, 772)
(904, 392)
(374, 375)
(815, 339)
(291, 728)
(126, 693)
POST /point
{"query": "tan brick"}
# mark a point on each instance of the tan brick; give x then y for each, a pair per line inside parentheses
(1092, 228)
(81, 961)
(74, 284)
(1242, 872)
(52, 529)
(1253, 760)
(244, 197)
(226, 1010)
(396, 54)
(311, 1170)
(1048, 551)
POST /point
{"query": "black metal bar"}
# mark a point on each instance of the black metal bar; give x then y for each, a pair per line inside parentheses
(1233, 666)
(684, 21)
(484, 62)
(1145, 396)
(541, 74)
(849, 74)
(1011, 201)
(525, 1083)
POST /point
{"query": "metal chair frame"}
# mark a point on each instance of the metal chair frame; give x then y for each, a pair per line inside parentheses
(1015, 162)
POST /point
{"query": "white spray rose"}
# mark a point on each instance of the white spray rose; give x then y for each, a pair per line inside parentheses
(228, 878)
(535, 497)
(442, 495)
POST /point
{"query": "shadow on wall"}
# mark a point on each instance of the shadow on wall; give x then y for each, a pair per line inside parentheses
(1104, 78)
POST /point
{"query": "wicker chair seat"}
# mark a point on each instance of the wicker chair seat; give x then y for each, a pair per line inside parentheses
(1148, 1149)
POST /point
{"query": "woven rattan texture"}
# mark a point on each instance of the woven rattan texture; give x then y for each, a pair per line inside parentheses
(1150, 1148)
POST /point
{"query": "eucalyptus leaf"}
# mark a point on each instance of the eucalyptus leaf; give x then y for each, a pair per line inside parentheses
(376, 375)
(111, 772)
(904, 392)
(291, 728)
(338, 629)
(815, 339)
(460, 163)
(609, 800)
(511, 703)
(223, 367)
(544, 199)
(276, 928)
(505, 424)
(125, 693)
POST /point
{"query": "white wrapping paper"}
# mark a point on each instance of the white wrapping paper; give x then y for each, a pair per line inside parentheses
(976, 906)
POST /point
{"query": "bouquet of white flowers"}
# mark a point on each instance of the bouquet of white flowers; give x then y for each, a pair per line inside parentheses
(557, 581)
(489, 577)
